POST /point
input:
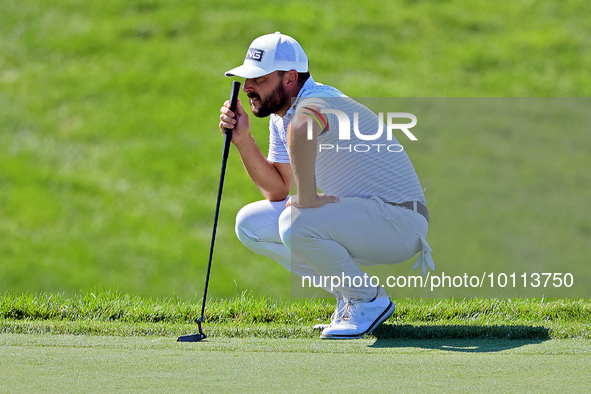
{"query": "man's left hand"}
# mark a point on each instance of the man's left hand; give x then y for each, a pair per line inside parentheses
(313, 202)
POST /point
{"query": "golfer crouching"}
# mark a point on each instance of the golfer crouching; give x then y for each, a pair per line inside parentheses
(372, 210)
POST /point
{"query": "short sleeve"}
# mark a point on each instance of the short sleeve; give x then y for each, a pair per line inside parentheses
(277, 150)
(320, 103)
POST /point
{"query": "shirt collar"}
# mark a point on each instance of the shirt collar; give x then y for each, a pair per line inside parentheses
(309, 84)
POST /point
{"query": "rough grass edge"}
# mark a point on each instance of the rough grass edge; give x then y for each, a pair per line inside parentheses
(247, 308)
(113, 313)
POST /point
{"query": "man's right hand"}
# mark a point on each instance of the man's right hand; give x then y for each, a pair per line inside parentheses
(237, 122)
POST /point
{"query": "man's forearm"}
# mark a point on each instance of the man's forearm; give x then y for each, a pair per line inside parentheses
(273, 185)
(302, 153)
(303, 161)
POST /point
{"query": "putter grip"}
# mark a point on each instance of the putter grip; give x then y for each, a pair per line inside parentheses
(228, 132)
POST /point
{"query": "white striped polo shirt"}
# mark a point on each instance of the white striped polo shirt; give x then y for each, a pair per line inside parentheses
(355, 167)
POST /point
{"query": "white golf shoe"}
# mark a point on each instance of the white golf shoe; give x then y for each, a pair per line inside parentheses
(359, 318)
(336, 315)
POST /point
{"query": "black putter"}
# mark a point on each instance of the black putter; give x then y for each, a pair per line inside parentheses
(227, 139)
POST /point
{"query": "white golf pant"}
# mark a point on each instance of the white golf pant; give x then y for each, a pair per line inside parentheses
(335, 239)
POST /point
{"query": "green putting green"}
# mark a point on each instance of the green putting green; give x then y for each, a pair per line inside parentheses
(67, 363)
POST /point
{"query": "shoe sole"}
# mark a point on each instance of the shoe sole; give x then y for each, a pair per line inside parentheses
(382, 318)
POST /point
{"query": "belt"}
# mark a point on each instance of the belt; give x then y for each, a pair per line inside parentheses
(415, 206)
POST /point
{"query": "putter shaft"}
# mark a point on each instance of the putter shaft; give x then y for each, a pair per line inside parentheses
(227, 140)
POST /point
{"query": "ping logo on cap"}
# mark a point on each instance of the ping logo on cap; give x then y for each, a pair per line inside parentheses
(255, 54)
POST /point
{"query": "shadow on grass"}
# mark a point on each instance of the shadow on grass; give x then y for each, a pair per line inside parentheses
(460, 338)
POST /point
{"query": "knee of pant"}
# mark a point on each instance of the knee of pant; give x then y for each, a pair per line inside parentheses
(285, 228)
(243, 228)
(296, 225)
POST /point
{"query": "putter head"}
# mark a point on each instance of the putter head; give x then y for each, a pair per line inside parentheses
(193, 337)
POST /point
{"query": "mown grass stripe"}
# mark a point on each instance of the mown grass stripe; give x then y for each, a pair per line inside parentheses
(390, 330)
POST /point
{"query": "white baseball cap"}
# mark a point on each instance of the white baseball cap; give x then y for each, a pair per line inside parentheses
(269, 53)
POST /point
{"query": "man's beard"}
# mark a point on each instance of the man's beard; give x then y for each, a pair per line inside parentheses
(271, 104)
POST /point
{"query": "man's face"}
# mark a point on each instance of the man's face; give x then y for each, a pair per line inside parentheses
(266, 94)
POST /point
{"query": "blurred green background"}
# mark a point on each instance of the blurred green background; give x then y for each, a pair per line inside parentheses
(110, 152)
